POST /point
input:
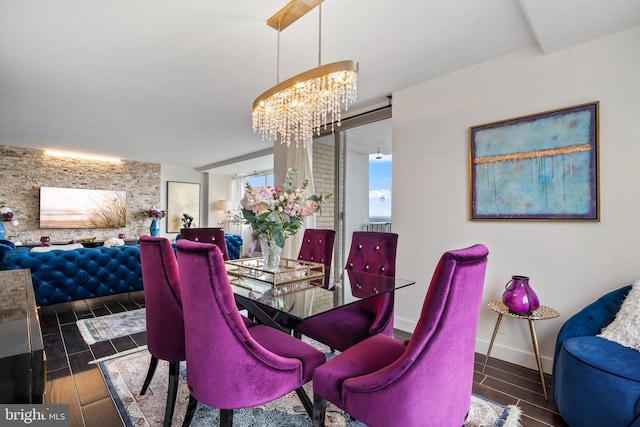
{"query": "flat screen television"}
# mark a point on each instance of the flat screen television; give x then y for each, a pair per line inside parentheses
(81, 208)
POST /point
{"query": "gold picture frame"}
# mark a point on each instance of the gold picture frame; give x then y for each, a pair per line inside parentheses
(182, 198)
(540, 167)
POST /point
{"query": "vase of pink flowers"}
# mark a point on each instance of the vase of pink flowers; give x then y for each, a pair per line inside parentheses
(155, 215)
(276, 213)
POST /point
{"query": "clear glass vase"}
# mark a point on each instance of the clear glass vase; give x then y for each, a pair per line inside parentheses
(271, 253)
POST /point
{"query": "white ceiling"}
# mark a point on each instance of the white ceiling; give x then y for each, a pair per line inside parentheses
(172, 82)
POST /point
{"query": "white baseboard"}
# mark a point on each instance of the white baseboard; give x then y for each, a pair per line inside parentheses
(508, 354)
(403, 324)
(512, 355)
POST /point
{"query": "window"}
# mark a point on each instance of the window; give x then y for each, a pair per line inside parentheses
(257, 180)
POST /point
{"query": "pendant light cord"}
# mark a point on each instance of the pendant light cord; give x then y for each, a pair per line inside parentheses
(278, 58)
(319, 34)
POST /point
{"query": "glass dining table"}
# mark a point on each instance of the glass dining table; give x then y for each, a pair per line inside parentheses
(299, 290)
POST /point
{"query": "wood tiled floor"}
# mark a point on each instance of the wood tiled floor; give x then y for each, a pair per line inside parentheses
(72, 380)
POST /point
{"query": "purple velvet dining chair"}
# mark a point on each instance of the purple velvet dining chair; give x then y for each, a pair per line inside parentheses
(165, 322)
(213, 235)
(317, 246)
(371, 252)
(229, 365)
(427, 380)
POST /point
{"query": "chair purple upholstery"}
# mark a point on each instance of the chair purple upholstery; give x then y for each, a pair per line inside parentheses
(207, 235)
(230, 366)
(426, 382)
(371, 252)
(165, 322)
(317, 246)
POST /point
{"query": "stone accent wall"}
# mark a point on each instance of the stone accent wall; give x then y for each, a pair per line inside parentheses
(24, 171)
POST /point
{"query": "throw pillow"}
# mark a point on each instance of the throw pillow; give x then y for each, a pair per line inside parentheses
(625, 328)
(57, 248)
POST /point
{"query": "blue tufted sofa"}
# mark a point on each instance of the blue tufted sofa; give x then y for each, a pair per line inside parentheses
(596, 382)
(234, 244)
(63, 276)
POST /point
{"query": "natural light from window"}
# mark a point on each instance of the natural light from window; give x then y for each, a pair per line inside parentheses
(257, 180)
(380, 187)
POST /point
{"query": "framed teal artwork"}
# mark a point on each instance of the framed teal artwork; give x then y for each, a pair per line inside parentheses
(538, 167)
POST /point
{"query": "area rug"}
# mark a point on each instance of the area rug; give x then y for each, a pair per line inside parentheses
(125, 374)
(112, 325)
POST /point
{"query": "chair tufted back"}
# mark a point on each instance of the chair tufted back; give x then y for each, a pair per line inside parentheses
(317, 246)
(62, 276)
(207, 235)
(375, 252)
(165, 321)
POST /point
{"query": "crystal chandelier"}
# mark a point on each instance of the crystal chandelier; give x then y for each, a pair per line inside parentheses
(292, 111)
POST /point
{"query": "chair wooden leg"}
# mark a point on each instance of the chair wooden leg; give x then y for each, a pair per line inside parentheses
(226, 417)
(172, 392)
(191, 409)
(319, 409)
(306, 402)
(152, 369)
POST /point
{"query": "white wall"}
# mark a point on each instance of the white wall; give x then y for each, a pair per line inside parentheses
(182, 174)
(220, 188)
(570, 264)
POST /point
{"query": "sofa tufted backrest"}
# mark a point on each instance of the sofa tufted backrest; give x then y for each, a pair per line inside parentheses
(62, 276)
(6, 246)
(234, 244)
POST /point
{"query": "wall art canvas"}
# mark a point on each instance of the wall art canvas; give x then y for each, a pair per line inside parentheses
(538, 167)
(82, 208)
(183, 198)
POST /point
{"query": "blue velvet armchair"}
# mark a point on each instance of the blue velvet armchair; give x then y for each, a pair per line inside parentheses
(596, 382)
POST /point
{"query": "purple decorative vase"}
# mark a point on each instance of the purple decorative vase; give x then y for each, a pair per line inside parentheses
(519, 296)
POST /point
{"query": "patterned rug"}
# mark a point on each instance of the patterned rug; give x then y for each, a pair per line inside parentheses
(124, 375)
(112, 325)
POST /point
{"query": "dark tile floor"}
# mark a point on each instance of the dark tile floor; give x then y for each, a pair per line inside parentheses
(72, 380)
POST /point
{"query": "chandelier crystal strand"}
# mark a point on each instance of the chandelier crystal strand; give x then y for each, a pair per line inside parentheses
(294, 110)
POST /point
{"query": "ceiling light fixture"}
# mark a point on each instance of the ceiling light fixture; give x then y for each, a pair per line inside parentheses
(378, 156)
(293, 110)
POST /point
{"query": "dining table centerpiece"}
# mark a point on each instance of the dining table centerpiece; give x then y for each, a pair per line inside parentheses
(276, 213)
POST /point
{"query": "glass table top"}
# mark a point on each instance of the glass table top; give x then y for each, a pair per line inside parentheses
(310, 296)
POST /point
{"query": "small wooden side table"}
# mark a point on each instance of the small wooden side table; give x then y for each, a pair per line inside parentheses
(543, 312)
